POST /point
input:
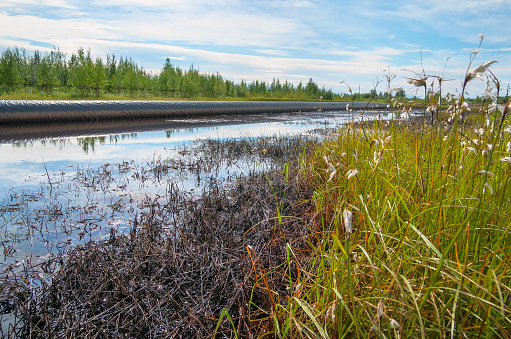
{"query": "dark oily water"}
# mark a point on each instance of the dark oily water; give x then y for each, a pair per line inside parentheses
(66, 190)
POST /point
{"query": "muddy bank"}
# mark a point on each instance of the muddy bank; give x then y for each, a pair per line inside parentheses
(36, 111)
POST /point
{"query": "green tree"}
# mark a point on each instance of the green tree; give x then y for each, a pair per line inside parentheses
(81, 70)
(98, 76)
(13, 67)
(46, 74)
(311, 90)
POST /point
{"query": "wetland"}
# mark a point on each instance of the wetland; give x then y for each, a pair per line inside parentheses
(111, 228)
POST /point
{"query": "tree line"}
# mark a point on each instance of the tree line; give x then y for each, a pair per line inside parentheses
(84, 75)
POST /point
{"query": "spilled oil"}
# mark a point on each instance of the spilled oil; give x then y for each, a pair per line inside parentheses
(67, 188)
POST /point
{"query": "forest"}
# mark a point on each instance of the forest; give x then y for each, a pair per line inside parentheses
(53, 75)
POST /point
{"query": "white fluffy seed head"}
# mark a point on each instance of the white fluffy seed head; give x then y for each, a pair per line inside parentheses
(332, 171)
(331, 312)
(380, 309)
(484, 172)
(351, 173)
(375, 156)
(394, 324)
(419, 82)
(347, 215)
(472, 149)
(487, 188)
(478, 71)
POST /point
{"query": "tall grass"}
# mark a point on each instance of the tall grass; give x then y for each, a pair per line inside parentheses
(414, 234)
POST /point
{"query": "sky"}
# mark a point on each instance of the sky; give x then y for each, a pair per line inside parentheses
(337, 43)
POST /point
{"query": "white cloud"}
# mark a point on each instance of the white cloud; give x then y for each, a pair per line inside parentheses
(51, 30)
(269, 64)
(471, 6)
(173, 5)
(272, 52)
(460, 20)
(287, 3)
(296, 39)
(377, 54)
(10, 4)
(211, 22)
(175, 58)
(212, 28)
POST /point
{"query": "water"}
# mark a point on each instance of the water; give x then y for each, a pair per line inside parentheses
(58, 191)
(70, 187)
(74, 183)
(63, 185)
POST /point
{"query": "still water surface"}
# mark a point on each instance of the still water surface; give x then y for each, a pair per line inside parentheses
(69, 187)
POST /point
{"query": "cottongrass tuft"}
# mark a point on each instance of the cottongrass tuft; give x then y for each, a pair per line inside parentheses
(351, 173)
(394, 324)
(332, 171)
(347, 215)
(380, 309)
(330, 313)
(418, 82)
(506, 159)
(377, 158)
(487, 187)
(484, 172)
(331, 168)
(478, 71)
(472, 149)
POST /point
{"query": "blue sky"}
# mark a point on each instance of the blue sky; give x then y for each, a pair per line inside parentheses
(327, 40)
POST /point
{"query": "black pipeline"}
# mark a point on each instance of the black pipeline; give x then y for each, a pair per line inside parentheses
(35, 111)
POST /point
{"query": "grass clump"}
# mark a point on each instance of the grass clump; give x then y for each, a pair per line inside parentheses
(415, 233)
(414, 225)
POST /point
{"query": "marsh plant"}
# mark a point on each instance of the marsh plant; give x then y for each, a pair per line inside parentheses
(414, 227)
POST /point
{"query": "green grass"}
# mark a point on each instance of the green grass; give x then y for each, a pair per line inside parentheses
(413, 224)
(430, 251)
